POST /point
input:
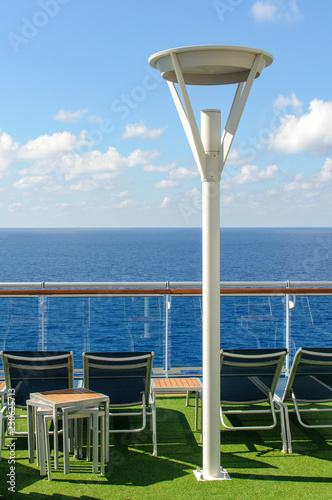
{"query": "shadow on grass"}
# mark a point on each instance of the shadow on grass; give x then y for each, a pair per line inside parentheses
(41, 496)
(311, 442)
(283, 478)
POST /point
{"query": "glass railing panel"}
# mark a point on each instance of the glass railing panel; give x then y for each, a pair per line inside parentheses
(145, 323)
(252, 322)
(20, 323)
(185, 338)
(103, 324)
(311, 322)
(81, 324)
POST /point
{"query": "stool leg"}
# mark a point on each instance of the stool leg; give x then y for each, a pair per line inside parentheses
(47, 446)
(88, 440)
(31, 433)
(65, 431)
(107, 428)
(41, 445)
(55, 440)
(102, 443)
(80, 438)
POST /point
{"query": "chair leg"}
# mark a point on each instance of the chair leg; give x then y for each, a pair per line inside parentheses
(154, 429)
(283, 429)
(288, 431)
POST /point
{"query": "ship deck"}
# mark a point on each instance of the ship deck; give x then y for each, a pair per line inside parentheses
(254, 460)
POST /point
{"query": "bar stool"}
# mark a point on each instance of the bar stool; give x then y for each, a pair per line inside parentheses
(66, 405)
(73, 413)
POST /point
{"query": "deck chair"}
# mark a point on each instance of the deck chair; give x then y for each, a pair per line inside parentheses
(125, 377)
(309, 387)
(32, 371)
(249, 378)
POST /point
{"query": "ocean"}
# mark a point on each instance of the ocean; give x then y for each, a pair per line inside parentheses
(160, 254)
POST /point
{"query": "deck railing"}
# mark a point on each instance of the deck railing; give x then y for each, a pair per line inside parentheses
(151, 316)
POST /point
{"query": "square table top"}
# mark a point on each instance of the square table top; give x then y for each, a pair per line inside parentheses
(71, 397)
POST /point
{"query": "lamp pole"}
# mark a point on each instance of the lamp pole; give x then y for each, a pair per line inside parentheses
(211, 132)
(210, 65)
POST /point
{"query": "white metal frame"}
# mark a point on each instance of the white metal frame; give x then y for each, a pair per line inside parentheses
(210, 154)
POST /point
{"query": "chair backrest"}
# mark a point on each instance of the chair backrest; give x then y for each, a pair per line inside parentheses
(123, 376)
(249, 375)
(37, 371)
(311, 375)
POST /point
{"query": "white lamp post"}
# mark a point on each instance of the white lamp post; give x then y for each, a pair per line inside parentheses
(210, 65)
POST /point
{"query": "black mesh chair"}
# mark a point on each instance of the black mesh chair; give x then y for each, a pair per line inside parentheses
(126, 378)
(248, 382)
(309, 388)
(32, 371)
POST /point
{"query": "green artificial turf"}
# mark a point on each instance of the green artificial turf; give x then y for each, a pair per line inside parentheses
(257, 467)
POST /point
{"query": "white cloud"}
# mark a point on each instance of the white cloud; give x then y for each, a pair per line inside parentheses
(193, 193)
(165, 203)
(70, 116)
(85, 185)
(94, 163)
(252, 174)
(14, 206)
(282, 102)
(8, 150)
(267, 11)
(310, 132)
(140, 130)
(48, 146)
(161, 168)
(183, 173)
(60, 156)
(295, 185)
(31, 181)
(235, 158)
(325, 174)
(95, 119)
(264, 11)
(128, 203)
(166, 184)
(139, 157)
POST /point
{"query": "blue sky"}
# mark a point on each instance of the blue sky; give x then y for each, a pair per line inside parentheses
(90, 137)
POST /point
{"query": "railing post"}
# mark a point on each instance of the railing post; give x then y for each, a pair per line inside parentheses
(168, 306)
(287, 332)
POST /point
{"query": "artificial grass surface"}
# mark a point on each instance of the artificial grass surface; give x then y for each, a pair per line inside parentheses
(257, 467)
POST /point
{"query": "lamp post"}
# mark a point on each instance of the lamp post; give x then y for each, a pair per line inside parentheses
(210, 65)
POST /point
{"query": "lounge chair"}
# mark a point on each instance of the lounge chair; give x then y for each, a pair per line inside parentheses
(249, 378)
(125, 377)
(31, 371)
(309, 388)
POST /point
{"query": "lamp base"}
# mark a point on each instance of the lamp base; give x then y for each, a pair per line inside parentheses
(200, 476)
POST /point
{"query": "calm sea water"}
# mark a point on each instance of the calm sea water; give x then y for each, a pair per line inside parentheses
(162, 254)
(159, 255)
